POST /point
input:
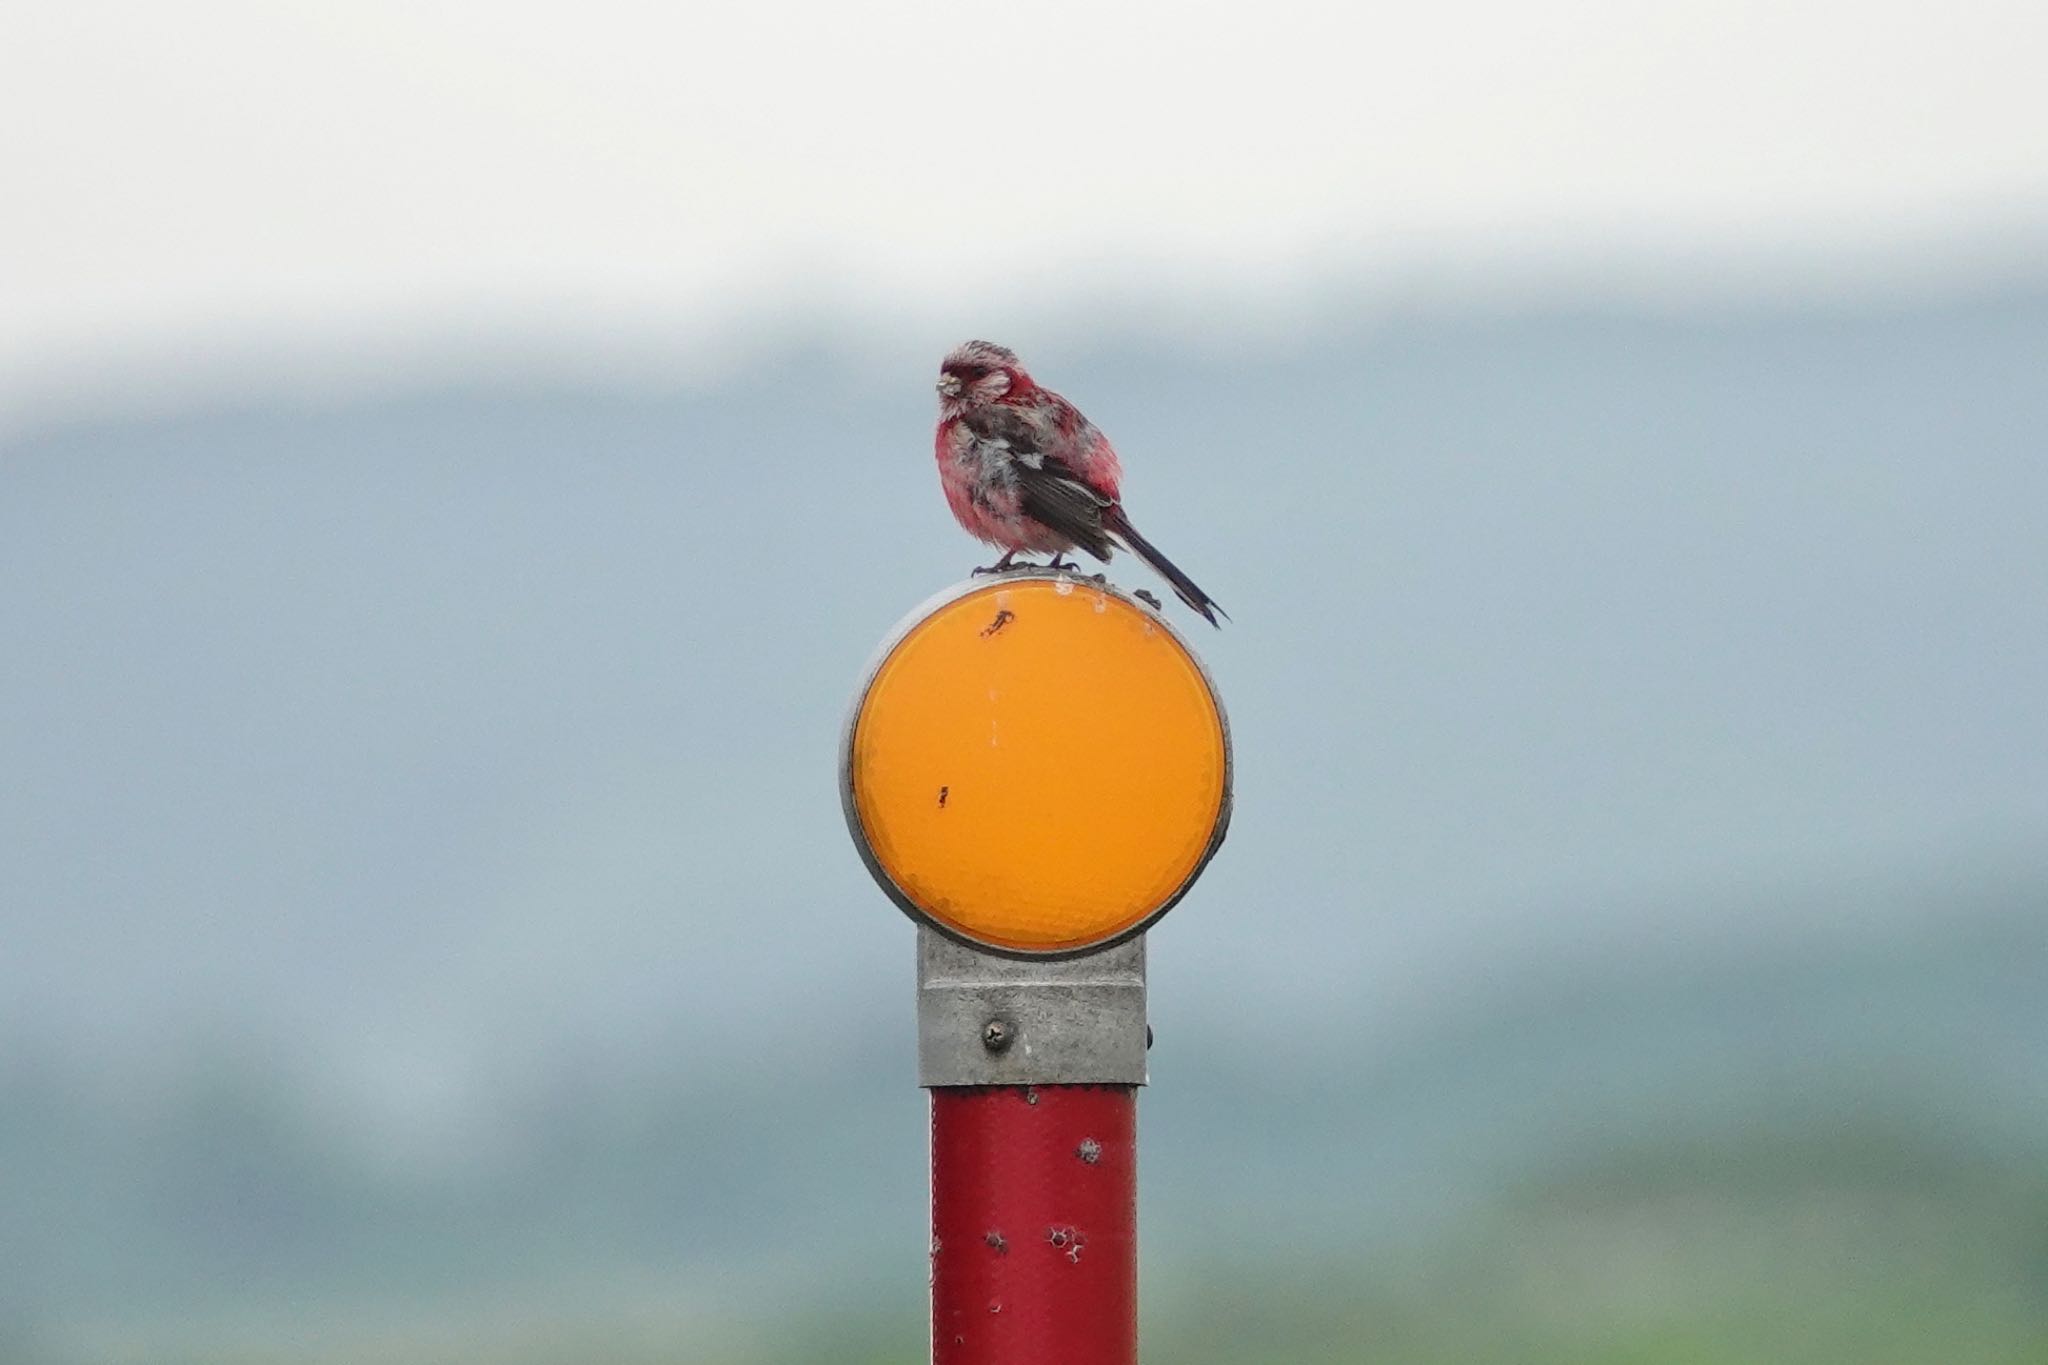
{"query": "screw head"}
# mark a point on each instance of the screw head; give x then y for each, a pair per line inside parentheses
(997, 1034)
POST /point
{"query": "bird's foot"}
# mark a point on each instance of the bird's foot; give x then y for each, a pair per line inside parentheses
(1002, 565)
(1062, 562)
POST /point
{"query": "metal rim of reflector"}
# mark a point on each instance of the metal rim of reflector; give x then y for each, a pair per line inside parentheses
(895, 639)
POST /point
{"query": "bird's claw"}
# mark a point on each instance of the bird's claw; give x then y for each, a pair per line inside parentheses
(1010, 564)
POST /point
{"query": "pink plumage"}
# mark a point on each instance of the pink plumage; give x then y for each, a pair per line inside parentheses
(1023, 470)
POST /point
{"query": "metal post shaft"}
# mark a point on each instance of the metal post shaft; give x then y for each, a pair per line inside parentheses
(1034, 1225)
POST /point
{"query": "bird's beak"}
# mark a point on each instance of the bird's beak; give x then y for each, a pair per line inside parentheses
(949, 385)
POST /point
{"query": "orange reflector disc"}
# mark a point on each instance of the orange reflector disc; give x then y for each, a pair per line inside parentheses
(1037, 765)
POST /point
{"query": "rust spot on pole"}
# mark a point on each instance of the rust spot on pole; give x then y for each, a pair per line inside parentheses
(1068, 1240)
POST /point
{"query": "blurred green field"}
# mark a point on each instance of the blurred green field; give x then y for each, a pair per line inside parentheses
(1878, 1247)
(1831, 1156)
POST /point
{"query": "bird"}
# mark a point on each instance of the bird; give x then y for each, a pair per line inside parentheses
(1025, 471)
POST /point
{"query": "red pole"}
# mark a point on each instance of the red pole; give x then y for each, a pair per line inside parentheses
(1034, 1225)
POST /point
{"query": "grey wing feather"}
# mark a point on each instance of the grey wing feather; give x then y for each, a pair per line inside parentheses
(1048, 491)
(1068, 506)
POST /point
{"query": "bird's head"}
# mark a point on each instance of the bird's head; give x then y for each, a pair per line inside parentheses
(976, 372)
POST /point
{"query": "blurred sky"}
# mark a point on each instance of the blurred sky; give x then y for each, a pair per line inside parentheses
(242, 185)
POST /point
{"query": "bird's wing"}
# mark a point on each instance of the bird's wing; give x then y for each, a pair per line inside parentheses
(1049, 490)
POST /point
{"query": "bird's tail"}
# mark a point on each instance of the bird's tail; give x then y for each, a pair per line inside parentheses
(1116, 523)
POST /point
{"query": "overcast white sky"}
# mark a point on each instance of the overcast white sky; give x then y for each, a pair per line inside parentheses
(292, 170)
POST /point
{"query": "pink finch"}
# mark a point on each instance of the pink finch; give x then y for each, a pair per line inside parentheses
(1026, 472)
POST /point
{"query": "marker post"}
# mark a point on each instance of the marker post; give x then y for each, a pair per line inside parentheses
(1036, 768)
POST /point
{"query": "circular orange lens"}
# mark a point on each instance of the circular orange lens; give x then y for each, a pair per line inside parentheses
(1038, 765)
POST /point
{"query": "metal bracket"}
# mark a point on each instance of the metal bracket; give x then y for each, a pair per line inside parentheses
(988, 1019)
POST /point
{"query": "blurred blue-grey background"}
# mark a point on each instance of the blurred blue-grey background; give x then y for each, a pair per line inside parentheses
(456, 460)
